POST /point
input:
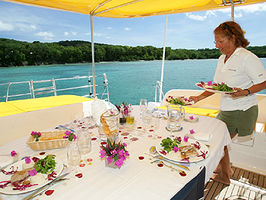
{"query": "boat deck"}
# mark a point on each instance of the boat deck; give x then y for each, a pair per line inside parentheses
(244, 185)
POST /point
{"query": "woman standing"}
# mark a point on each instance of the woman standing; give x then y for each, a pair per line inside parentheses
(243, 71)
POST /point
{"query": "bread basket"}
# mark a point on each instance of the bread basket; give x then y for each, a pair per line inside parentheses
(48, 140)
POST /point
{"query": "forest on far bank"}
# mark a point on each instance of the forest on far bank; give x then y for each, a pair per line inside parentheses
(19, 53)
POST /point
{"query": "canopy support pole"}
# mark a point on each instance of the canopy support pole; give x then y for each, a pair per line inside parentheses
(162, 71)
(92, 57)
(233, 12)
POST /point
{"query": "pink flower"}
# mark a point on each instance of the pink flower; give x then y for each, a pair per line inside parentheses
(109, 159)
(36, 135)
(119, 163)
(126, 153)
(32, 172)
(175, 149)
(70, 136)
(179, 139)
(27, 160)
(13, 153)
(191, 117)
(67, 133)
(209, 83)
(191, 131)
(103, 154)
(186, 138)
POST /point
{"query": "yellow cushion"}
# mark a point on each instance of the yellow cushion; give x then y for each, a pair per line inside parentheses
(7, 109)
(198, 111)
(26, 105)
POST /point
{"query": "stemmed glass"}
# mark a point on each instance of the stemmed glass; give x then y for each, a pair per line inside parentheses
(143, 106)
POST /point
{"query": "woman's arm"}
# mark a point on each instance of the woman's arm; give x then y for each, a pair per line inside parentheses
(253, 89)
(203, 95)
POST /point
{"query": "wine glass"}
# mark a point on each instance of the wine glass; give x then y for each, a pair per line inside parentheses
(143, 106)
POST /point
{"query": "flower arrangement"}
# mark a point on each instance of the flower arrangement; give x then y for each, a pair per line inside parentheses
(70, 135)
(114, 153)
(36, 135)
(124, 109)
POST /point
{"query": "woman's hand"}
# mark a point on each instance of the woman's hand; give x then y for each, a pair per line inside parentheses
(239, 93)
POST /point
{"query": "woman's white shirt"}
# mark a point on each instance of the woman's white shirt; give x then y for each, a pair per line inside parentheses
(242, 70)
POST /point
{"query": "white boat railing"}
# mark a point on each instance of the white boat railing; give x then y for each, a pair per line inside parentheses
(158, 96)
(29, 89)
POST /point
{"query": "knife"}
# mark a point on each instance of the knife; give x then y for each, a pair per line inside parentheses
(37, 192)
(166, 160)
(178, 165)
(65, 128)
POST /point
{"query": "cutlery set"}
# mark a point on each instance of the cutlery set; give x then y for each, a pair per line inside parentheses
(44, 188)
(158, 158)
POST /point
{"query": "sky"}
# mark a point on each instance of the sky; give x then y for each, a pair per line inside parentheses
(184, 30)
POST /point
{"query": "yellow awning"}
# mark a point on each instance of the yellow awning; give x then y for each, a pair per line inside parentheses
(134, 8)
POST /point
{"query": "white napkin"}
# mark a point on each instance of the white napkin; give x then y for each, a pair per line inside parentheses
(5, 160)
(202, 136)
(152, 106)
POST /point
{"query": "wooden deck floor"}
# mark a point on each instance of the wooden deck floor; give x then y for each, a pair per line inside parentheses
(245, 185)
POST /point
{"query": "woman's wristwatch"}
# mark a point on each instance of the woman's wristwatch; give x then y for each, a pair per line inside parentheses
(248, 92)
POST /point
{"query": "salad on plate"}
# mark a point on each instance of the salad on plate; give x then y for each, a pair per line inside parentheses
(215, 87)
(29, 174)
(183, 101)
(182, 150)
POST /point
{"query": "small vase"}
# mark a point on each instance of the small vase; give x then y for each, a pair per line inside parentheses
(122, 120)
(111, 165)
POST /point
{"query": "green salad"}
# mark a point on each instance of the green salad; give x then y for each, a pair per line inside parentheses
(222, 87)
(177, 101)
(168, 144)
(45, 165)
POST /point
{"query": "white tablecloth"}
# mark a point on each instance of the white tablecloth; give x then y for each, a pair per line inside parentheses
(137, 179)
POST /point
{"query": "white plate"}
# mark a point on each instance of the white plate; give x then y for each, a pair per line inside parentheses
(177, 156)
(209, 89)
(9, 189)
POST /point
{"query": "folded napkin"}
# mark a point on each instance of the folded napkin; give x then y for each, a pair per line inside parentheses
(202, 136)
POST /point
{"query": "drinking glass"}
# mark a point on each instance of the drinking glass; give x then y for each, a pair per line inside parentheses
(73, 154)
(146, 120)
(84, 143)
(174, 118)
(143, 106)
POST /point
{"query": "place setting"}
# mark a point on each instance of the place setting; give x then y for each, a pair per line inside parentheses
(31, 176)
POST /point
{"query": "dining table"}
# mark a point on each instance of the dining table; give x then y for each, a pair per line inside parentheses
(141, 176)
